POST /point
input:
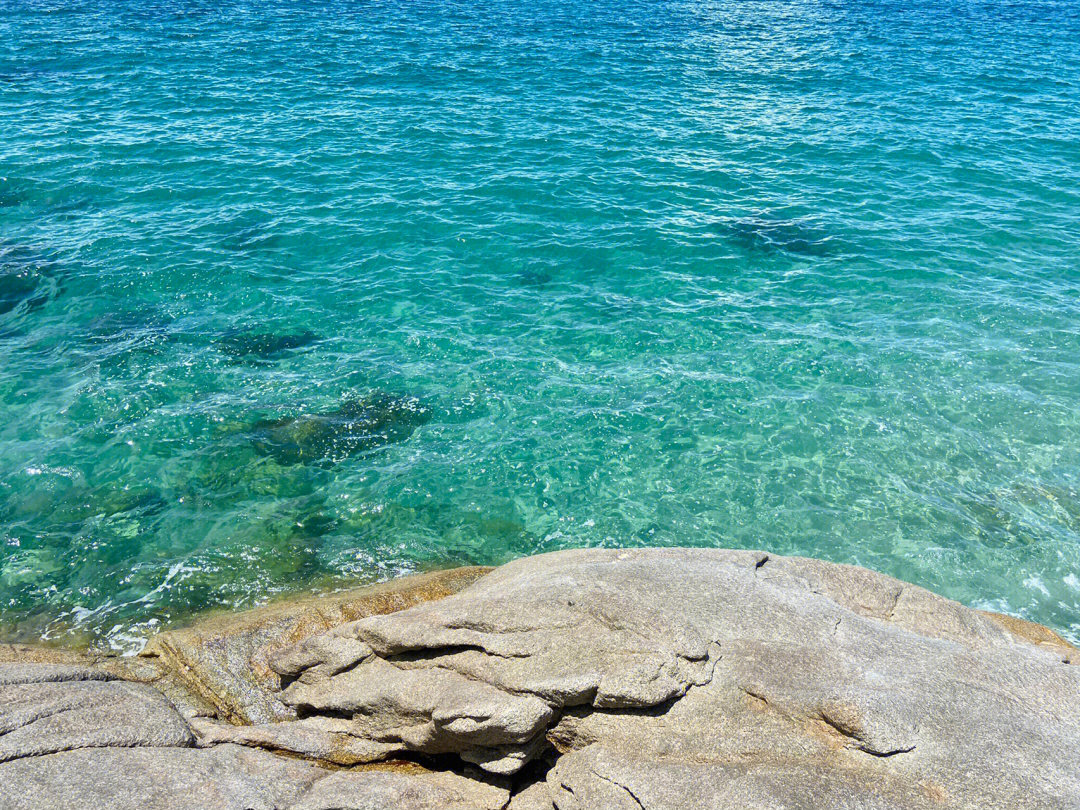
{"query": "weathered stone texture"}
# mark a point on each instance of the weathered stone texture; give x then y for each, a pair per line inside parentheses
(741, 679)
(45, 708)
(649, 679)
(223, 778)
(383, 790)
(223, 659)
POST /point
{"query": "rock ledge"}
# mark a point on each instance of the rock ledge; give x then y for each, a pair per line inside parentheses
(646, 678)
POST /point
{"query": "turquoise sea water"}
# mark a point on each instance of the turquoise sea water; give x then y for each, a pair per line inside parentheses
(299, 294)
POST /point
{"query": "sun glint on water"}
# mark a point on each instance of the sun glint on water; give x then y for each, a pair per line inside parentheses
(300, 294)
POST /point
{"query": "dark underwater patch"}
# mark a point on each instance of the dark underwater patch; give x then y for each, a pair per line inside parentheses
(19, 288)
(124, 323)
(137, 498)
(441, 533)
(30, 74)
(794, 237)
(27, 278)
(57, 501)
(255, 345)
(247, 231)
(274, 545)
(357, 426)
(537, 277)
(231, 471)
(13, 191)
(44, 199)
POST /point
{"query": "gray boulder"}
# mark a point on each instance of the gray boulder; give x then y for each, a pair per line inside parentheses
(318, 738)
(671, 678)
(655, 679)
(227, 777)
(534, 796)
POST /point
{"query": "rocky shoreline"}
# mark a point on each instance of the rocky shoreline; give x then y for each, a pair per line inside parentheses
(579, 680)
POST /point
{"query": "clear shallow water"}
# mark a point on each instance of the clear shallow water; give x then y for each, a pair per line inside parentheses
(794, 275)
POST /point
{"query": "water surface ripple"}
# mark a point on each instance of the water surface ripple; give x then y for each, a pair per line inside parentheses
(293, 294)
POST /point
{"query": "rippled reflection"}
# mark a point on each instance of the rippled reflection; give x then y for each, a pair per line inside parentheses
(293, 294)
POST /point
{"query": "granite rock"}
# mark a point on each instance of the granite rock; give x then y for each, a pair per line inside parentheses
(222, 660)
(224, 778)
(695, 677)
(648, 679)
(410, 790)
(227, 777)
(45, 708)
(534, 796)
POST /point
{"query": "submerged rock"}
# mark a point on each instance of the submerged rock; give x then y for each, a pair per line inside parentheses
(247, 230)
(445, 533)
(767, 235)
(264, 345)
(23, 287)
(123, 332)
(14, 191)
(59, 500)
(355, 427)
(27, 277)
(18, 288)
(31, 567)
(229, 471)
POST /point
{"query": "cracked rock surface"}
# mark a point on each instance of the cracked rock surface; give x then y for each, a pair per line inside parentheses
(87, 731)
(45, 708)
(223, 659)
(671, 677)
(579, 680)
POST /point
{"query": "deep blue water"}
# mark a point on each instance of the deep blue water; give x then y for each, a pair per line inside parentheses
(299, 294)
